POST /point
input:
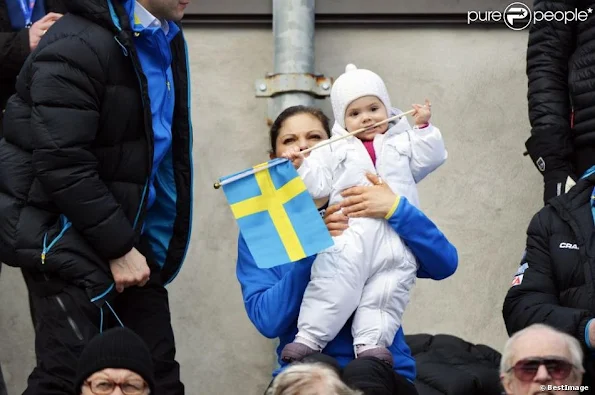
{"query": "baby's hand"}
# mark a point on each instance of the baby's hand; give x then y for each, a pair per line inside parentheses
(294, 155)
(422, 114)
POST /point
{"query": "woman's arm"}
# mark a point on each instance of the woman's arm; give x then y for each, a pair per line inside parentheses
(272, 297)
(437, 257)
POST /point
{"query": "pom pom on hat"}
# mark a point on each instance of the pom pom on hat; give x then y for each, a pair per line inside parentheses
(350, 67)
(352, 85)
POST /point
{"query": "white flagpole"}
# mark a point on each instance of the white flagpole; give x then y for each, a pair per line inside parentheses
(265, 165)
(249, 172)
(330, 141)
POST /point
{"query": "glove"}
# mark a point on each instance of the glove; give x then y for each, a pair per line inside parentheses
(556, 184)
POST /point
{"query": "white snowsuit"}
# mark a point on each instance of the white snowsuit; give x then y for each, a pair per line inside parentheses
(369, 269)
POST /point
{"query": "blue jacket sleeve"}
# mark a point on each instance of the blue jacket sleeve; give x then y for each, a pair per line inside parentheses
(272, 297)
(437, 257)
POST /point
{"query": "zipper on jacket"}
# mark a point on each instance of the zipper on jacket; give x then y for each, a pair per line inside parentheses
(140, 206)
(190, 137)
(142, 200)
(46, 248)
(126, 52)
(167, 85)
(70, 320)
(164, 64)
(380, 158)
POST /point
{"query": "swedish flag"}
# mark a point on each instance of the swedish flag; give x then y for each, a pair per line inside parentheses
(275, 213)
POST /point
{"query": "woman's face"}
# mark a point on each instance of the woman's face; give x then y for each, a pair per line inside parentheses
(301, 130)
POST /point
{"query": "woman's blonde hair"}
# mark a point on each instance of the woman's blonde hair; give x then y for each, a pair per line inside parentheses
(310, 379)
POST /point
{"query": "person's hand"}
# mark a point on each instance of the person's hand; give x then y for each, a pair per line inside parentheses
(130, 270)
(422, 114)
(368, 201)
(38, 29)
(294, 154)
(336, 222)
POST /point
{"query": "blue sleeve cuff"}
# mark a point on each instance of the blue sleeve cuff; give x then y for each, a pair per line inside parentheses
(587, 342)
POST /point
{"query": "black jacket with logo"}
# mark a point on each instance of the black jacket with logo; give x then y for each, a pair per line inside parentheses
(556, 284)
(561, 94)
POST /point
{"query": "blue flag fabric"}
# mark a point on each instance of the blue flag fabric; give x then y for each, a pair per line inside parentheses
(275, 213)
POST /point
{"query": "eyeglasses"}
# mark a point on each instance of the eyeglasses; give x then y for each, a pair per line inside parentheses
(107, 387)
(526, 369)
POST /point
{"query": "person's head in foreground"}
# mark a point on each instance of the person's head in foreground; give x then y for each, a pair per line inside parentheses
(309, 379)
(541, 360)
(115, 362)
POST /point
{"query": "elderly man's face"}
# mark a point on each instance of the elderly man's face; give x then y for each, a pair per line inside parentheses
(548, 346)
(115, 382)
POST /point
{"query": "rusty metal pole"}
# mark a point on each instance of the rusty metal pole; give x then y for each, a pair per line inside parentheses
(293, 81)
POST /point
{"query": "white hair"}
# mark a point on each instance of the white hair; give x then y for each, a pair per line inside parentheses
(574, 347)
(309, 379)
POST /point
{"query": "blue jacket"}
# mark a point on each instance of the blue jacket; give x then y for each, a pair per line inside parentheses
(154, 53)
(272, 297)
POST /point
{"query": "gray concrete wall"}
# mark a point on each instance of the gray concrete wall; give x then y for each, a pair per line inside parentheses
(482, 198)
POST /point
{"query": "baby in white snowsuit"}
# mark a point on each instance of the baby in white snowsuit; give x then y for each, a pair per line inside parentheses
(369, 269)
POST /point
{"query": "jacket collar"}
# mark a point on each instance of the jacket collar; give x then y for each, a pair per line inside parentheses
(579, 195)
(147, 20)
(113, 15)
(574, 208)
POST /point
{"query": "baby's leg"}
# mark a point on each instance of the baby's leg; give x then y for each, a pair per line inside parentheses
(380, 312)
(330, 299)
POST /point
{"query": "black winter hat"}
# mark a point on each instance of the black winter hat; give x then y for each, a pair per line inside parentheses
(117, 348)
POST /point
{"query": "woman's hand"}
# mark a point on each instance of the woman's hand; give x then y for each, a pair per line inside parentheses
(422, 114)
(335, 221)
(368, 201)
(295, 155)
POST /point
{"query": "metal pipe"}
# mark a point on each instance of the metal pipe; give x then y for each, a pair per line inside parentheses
(293, 29)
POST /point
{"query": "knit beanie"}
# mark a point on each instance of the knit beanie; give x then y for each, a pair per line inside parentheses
(117, 348)
(352, 85)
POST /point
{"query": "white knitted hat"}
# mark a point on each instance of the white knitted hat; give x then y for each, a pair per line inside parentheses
(352, 85)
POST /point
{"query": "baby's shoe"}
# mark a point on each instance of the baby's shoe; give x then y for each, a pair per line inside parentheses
(296, 352)
(381, 353)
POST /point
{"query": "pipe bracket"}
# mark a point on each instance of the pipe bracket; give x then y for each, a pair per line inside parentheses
(273, 84)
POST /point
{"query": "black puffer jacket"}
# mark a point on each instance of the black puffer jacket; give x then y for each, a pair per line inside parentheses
(561, 76)
(78, 150)
(448, 365)
(14, 49)
(555, 283)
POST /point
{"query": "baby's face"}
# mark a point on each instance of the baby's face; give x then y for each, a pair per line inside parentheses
(364, 112)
